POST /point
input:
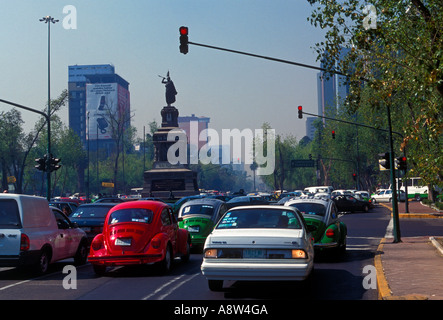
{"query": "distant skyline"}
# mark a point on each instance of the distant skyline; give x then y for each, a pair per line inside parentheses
(141, 39)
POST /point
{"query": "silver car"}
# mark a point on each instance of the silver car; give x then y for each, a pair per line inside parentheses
(258, 243)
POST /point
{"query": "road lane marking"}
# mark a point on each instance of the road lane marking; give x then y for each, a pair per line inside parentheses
(162, 287)
(15, 284)
(177, 286)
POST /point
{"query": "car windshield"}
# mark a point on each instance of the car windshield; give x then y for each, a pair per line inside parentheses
(198, 209)
(259, 218)
(131, 215)
(9, 215)
(91, 212)
(310, 208)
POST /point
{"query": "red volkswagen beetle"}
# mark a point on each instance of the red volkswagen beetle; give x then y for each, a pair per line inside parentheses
(139, 232)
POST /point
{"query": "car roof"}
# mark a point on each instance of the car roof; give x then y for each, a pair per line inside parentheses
(151, 204)
(204, 201)
(277, 207)
(309, 200)
(98, 204)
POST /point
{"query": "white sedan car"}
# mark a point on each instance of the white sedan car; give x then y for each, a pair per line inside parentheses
(258, 243)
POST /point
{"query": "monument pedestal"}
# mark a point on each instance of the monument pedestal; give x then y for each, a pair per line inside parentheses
(166, 180)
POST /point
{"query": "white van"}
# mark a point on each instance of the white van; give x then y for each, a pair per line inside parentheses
(325, 189)
(33, 234)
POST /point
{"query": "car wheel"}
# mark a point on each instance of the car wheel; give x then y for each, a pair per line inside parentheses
(82, 254)
(43, 262)
(215, 285)
(99, 269)
(165, 264)
(187, 255)
(366, 208)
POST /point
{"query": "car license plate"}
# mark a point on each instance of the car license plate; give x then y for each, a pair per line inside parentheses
(254, 253)
(193, 229)
(123, 241)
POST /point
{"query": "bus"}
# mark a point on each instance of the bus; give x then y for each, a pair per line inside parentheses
(416, 189)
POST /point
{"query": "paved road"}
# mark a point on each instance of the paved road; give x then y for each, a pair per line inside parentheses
(332, 279)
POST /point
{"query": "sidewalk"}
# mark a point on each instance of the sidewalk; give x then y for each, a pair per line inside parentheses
(413, 268)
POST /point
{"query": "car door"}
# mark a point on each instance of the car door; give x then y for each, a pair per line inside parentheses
(351, 203)
(169, 227)
(66, 241)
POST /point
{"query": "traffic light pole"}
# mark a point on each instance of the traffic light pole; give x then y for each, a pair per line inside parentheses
(393, 182)
(48, 121)
(395, 216)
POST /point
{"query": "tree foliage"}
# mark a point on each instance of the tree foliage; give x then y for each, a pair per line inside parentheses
(394, 61)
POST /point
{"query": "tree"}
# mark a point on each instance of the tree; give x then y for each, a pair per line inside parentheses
(399, 58)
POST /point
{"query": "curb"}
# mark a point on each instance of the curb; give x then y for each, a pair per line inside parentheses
(415, 215)
(436, 244)
(384, 292)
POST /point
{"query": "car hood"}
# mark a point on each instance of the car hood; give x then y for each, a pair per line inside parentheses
(256, 237)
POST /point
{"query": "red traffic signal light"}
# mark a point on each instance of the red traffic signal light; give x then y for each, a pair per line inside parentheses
(401, 163)
(300, 112)
(333, 134)
(183, 31)
(183, 39)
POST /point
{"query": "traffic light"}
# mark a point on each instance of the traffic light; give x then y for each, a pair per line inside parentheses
(300, 112)
(401, 163)
(41, 164)
(53, 164)
(383, 161)
(183, 39)
(354, 176)
(333, 134)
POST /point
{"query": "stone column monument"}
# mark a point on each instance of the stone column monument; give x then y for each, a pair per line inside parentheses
(166, 180)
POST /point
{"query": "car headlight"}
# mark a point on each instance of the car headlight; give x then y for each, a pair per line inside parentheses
(211, 253)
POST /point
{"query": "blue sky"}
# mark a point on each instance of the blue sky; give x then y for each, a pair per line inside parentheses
(140, 38)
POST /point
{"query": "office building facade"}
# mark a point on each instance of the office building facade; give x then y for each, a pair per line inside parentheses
(97, 95)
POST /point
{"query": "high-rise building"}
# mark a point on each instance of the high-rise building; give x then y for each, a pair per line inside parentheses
(96, 95)
(194, 127)
(332, 90)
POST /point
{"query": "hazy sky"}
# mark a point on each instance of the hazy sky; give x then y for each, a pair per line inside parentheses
(141, 39)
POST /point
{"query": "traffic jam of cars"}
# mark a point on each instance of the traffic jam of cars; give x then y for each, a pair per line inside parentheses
(250, 237)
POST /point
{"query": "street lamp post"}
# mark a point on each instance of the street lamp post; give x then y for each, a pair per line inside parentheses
(49, 20)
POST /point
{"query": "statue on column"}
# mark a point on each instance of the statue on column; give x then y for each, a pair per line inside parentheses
(170, 89)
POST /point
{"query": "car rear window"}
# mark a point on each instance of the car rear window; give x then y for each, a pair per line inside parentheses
(310, 208)
(131, 215)
(198, 209)
(260, 218)
(9, 214)
(91, 212)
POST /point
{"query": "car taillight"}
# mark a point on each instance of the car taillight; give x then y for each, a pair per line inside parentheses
(211, 253)
(299, 254)
(156, 242)
(97, 243)
(24, 242)
(330, 233)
